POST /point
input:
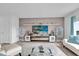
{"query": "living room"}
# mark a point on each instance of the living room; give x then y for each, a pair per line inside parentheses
(39, 29)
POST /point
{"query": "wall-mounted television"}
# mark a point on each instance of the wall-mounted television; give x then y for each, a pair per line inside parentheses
(37, 29)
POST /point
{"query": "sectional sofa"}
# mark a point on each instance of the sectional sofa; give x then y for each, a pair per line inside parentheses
(10, 49)
(71, 46)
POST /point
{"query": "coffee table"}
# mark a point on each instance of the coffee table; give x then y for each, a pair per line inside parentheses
(38, 52)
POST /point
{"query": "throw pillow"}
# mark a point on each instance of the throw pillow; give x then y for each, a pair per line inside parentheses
(77, 39)
(74, 39)
(71, 39)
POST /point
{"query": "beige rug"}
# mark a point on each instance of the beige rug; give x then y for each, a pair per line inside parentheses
(27, 48)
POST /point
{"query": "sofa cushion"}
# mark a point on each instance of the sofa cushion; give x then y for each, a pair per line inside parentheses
(74, 39)
(77, 39)
(11, 46)
(76, 46)
(71, 39)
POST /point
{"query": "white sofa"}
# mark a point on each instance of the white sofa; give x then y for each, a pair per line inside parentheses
(73, 47)
(11, 49)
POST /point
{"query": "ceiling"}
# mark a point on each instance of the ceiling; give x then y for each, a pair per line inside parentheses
(37, 9)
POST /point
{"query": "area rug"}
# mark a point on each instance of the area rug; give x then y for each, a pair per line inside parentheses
(28, 46)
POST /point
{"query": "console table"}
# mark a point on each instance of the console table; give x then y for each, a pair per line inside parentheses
(39, 37)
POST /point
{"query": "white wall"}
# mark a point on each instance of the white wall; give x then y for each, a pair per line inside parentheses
(67, 22)
(14, 29)
(67, 27)
(8, 29)
(4, 29)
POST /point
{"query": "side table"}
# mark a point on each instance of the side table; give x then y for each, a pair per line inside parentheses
(27, 38)
(51, 38)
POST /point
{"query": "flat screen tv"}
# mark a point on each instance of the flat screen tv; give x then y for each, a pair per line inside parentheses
(40, 29)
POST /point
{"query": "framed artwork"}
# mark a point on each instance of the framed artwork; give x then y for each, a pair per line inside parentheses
(37, 29)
